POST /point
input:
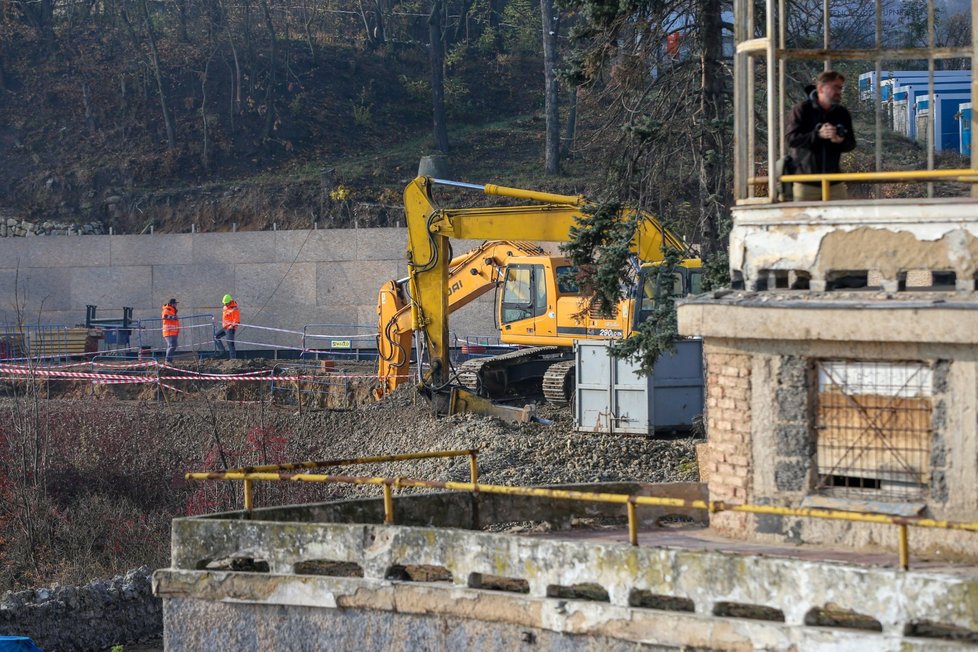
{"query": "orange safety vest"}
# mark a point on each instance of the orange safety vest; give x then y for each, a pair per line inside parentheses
(171, 324)
(231, 317)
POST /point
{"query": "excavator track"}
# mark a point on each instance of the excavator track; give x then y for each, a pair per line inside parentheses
(506, 374)
(558, 382)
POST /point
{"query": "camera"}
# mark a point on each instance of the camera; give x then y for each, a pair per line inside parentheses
(840, 131)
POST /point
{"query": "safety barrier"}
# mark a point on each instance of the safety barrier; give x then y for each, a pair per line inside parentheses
(196, 335)
(631, 502)
(338, 340)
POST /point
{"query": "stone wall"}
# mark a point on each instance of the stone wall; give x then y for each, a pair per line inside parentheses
(104, 613)
(11, 227)
(728, 426)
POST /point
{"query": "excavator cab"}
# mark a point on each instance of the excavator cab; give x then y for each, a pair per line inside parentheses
(654, 286)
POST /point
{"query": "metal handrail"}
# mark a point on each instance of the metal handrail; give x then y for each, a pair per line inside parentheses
(629, 500)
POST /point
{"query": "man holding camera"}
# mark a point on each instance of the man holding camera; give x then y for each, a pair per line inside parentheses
(819, 129)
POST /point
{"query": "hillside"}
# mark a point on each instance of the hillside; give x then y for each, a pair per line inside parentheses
(83, 137)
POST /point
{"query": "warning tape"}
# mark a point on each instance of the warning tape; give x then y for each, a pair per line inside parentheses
(104, 378)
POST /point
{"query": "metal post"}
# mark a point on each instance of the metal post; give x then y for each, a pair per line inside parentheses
(632, 524)
(473, 467)
(248, 495)
(826, 192)
(772, 92)
(932, 104)
(388, 504)
(904, 547)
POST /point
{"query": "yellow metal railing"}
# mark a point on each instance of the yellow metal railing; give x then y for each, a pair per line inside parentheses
(249, 475)
(271, 469)
(963, 175)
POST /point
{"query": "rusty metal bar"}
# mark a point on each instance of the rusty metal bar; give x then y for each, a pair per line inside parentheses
(388, 504)
(870, 54)
(473, 467)
(904, 547)
(314, 464)
(632, 524)
(249, 498)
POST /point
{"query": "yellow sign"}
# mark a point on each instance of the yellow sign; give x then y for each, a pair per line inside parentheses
(340, 344)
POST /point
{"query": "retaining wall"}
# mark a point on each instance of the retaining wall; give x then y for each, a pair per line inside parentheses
(281, 279)
(122, 610)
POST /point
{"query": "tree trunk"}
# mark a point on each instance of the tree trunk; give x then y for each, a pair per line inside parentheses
(171, 139)
(567, 150)
(437, 49)
(269, 89)
(712, 189)
(552, 165)
(461, 30)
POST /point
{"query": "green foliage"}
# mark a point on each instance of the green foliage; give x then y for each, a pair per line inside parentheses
(522, 17)
(363, 108)
(600, 248)
(659, 332)
(117, 648)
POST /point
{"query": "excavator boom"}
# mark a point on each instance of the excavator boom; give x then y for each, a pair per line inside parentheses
(470, 276)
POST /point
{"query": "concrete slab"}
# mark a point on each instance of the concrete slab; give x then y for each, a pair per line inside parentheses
(353, 283)
(230, 248)
(14, 252)
(68, 251)
(277, 284)
(322, 245)
(38, 288)
(110, 287)
(162, 249)
(381, 244)
(196, 287)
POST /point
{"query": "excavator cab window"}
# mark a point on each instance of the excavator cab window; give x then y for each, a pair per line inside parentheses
(524, 293)
(567, 280)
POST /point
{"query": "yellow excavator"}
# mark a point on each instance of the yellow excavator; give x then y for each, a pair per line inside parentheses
(540, 306)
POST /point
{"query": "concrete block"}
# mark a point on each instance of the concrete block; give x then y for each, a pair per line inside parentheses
(110, 287)
(352, 282)
(381, 244)
(168, 249)
(197, 287)
(316, 246)
(41, 288)
(13, 253)
(230, 248)
(69, 251)
(278, 284)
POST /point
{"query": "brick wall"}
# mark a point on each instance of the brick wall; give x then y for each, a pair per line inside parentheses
(729, 463)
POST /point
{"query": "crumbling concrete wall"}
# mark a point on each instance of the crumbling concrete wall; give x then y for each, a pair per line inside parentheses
(104, 613)
(770, 427)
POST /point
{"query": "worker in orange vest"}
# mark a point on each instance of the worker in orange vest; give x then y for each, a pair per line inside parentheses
(171, 328)
(230, 319)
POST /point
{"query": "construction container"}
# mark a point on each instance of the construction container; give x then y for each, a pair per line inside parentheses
(903, 104)
(867, 80)
(964, 128)
(611, 397)
(946, 136)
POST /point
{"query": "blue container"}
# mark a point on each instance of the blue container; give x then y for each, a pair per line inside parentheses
(904, 104)
(946, 129)
(964, 128)
(18, 644)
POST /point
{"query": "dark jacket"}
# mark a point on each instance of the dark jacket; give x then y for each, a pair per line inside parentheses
(811, 154)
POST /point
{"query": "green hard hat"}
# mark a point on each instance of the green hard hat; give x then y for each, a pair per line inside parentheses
(228, 298)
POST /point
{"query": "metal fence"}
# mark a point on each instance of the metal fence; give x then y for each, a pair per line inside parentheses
(196, 335)
(339, 340)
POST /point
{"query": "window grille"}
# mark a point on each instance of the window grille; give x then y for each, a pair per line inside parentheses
(873, 421)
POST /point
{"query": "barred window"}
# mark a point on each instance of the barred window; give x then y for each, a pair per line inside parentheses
(873, 421)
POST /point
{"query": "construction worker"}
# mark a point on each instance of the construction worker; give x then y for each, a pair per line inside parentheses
(171, 328)
(230, 319)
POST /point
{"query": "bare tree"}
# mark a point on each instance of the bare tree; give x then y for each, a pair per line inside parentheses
(436, 48)
(552, 146)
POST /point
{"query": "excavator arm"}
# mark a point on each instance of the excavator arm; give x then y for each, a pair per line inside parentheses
(470, 276)
(430, 228)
